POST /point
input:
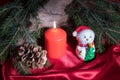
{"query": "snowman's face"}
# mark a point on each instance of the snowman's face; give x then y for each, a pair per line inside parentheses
(86, 36)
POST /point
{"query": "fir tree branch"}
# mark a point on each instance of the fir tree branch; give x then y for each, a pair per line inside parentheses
(26, 32)
(113, 30)
(28, 35)
(13, 27)
(83, 5)
(115, 3)
(100, 37)
(100, 45)
(10, 8)
(9, 42)
(3, 10)
(21, 68)
(112, 38)
(12, 39)
(97, 21)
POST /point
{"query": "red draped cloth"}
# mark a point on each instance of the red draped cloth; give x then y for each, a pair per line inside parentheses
(105, 66)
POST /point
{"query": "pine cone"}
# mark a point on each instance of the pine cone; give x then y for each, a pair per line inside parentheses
(33, 56)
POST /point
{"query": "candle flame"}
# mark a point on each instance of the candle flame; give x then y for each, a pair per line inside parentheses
(54, 24)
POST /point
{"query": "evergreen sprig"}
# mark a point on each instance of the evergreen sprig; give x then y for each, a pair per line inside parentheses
(14, 19)
(102, 16)
(21, 68)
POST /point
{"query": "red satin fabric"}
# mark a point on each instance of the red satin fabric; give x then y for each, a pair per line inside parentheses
(105, 66)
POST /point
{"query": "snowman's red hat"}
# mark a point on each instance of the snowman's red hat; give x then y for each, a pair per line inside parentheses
(79, 29)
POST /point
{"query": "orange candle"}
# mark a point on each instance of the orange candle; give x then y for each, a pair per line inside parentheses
(55, 42)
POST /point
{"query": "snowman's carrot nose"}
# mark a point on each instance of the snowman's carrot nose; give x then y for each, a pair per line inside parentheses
(87, 39)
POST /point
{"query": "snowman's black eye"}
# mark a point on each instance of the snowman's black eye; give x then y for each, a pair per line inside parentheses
(84, 36)
(90, 36)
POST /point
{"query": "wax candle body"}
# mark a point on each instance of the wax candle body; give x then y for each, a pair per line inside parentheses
(55, 42)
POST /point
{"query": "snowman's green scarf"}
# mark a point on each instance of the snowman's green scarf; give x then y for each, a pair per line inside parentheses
(89, 54)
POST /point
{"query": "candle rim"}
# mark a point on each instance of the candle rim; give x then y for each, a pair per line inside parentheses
(56, 33)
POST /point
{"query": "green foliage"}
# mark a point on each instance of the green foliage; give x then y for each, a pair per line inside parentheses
(14, 19)
(102, 16)
(21, 68)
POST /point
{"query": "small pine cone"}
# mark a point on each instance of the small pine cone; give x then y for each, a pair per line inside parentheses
(39, 65)
(38, 54)
(31, 46)
(33, 56)
(24, 58)
(34, 65)
(37, 49)
(45, 60)
(40, 58)
(40, 61)
(21, 51)
(25, 45)
(28, 63)
(43, 53)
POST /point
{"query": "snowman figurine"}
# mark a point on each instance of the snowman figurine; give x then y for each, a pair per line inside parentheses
(85, 49)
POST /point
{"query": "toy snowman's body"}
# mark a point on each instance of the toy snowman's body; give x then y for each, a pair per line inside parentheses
(85, 48)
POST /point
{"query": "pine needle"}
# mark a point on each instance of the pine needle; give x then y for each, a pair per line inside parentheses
(112, 38)
(9, 43)
(113, 30)
(21, 68)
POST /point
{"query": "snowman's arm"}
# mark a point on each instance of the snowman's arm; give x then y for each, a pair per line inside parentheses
(94, 48)
(79, 48)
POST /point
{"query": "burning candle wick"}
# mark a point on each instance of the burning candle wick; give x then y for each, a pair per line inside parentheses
(54, 24)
